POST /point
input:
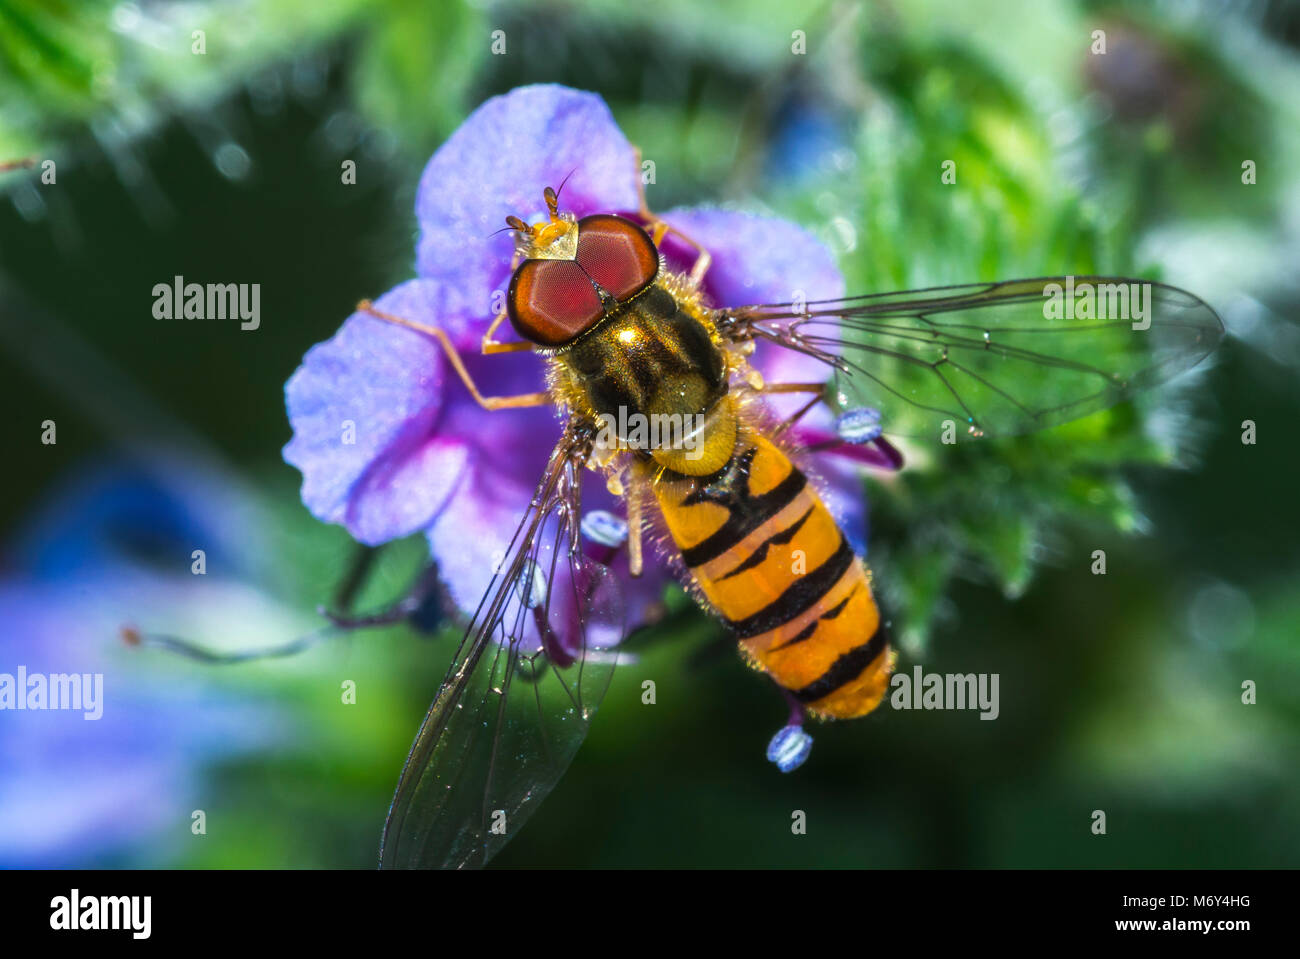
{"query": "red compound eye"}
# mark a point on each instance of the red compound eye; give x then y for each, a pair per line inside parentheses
(552, 301)
(617, 254)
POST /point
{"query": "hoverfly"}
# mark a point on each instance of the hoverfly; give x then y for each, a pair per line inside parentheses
(621, 334)
(626, 340)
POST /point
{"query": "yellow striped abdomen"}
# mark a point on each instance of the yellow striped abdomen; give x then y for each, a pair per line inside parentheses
(772, 562)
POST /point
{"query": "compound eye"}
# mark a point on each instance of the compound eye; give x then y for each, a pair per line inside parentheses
(551, 302)
(617, 254)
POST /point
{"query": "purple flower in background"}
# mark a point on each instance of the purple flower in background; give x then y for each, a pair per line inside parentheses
(118, 788)
(388, 440)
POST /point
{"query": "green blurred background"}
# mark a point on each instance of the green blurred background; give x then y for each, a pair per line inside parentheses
(1119, 692)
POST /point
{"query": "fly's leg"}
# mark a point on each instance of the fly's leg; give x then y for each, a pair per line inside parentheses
(702, 259)
(818, 391)
(491, 346)
(630, 534)
(634, 560)
(659, 227)
(790, 421)
(490, 403)
(818, 388)
(868, 447)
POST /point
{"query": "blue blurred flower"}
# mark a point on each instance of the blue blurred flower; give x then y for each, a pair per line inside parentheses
(805, 136)
(118, 789)
(388, 440)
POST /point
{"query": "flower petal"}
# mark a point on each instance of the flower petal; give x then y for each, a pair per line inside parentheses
(405, 489)
(758, 259)
(498, 162)
(517, 441)
(362, 405)
(473, 533)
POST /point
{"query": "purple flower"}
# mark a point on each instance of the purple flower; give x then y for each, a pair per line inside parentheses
(119, 787)
(388, 440)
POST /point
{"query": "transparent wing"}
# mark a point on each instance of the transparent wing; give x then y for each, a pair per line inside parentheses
(995, 358)
(517, 699)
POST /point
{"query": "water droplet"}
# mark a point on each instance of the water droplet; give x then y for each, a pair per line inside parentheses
(308, 78)
(845, 235)
(342, 130)
(126, 18)
(28, 201)
(1221, 616)
(232, 161)
(267, 93)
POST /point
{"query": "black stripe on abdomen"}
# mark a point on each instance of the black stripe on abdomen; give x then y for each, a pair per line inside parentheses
(807, 632)
(799, 597)
(844, 670)
(779, 538)
(745, 512)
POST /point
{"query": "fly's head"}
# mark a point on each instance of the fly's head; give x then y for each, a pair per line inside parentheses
(555, 238)
(575, 272)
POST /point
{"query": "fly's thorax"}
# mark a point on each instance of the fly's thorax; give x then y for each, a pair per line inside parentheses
(652, 376)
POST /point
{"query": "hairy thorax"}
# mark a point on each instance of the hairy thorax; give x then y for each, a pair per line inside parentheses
(653, 374)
